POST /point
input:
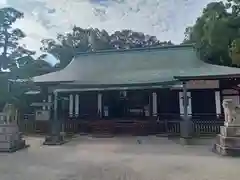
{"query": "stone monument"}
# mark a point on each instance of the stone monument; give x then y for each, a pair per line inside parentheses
(228, 141)
(10, 137)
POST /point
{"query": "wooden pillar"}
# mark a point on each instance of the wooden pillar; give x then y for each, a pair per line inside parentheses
(44, 107)
(70, 105)
(49, 100)
(181, 103)
(76, 105)
(99, 101)
(186, 126)
(55, 138)
(185, 101)
(44, 94)
(218, 103)
(154, 104)
(189, 103)
(55, 115)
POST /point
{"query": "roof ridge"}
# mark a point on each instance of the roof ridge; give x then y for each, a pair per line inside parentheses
(135, 49)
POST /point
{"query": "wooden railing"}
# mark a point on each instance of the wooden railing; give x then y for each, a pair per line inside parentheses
(27, 123)
(202, 125)
(70, 126)
(207, 124)
(169, 127)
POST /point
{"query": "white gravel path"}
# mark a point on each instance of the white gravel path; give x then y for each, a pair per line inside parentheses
(86, 158)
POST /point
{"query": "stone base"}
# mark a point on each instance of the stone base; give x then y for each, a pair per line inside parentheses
(186, 141)
(228, 141)
(162, 135)
(10, 138)
(83, 134)
(53, 140)
(20, 146)
(226, 151)
(226, 124)
(230, 131)
(102, 135)
(231, 142)
(186, 127)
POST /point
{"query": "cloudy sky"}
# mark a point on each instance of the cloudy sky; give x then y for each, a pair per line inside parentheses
(166, 19)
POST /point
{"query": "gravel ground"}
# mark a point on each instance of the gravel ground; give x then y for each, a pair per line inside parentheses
(122, 158)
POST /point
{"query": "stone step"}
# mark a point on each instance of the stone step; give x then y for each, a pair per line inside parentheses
(9, 129)
(231, 142)
(230, 131)
(20, 145)
(9, 137)
(7, 145)
(226, 151)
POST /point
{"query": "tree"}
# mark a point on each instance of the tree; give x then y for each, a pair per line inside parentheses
(17, 59)
(211, 34)
(127, 39)
(30, 67)
(216, 33)
(9, 38)
(86, 40)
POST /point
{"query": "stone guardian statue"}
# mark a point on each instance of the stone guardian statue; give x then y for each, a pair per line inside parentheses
(231, 113)
(10, 112)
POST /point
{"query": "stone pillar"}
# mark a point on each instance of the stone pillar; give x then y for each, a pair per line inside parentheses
(154, 104)
(186, 126)
(70, 105)
(55, 138)
(218, 103)
(99, 101)
(76, 105)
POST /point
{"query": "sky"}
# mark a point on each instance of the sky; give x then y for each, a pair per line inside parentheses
(166, 19)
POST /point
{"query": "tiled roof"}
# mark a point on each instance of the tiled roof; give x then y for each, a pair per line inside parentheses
(137, 66)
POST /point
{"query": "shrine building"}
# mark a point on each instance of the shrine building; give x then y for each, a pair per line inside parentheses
(116, 90)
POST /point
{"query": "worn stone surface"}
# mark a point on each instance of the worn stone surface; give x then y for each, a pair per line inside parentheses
(186, 141)
(186, 128)
(225, 151)
(86, 158)
(230, 131)
(53, 140)
(10, 138)
(230, 142)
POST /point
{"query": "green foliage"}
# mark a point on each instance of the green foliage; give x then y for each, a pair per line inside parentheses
(30, 67)
(85, 40)
(9, 37)
(17, 59)
(216, 31)
(4, 95)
